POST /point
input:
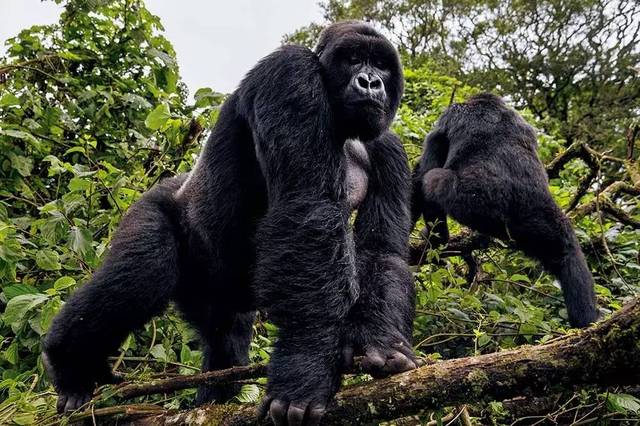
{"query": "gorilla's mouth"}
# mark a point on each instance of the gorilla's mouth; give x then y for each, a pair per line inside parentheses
(366, 102)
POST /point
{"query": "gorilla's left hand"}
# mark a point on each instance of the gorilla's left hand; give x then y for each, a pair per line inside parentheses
(381, 359)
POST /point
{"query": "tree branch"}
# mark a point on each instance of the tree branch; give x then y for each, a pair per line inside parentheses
(131, 390)
(603, 355)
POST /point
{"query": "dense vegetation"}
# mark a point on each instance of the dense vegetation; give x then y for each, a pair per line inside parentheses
(93, 112)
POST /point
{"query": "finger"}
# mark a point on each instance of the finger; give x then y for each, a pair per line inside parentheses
(296, 415)
(278, 412)
(263, 408)
(347, 358)
(374, 360)
(62, 402)
(399, 363)
(407, 350)
(117, 378)
(72, 404)
(85, 400)
(315, 415)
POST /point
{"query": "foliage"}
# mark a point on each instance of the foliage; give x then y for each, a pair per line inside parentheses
(93, 113)
(574, 63)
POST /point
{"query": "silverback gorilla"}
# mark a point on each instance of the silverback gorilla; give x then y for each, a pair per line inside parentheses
(263, 222)
(480, 166)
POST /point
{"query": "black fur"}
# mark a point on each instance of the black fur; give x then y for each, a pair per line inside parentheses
(480, 166)
(263, 222)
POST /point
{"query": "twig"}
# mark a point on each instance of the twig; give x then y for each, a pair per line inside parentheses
(129, 410)
(131, 390)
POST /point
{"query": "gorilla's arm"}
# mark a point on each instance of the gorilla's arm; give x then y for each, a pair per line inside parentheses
(380, 324)
(304, 274)
(435, 151)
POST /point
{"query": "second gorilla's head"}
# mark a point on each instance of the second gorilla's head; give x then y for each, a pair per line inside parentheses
(364, 78)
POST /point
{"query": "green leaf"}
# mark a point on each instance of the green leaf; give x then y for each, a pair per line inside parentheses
(248, 394)
(79, 184)
(166, 59)
(158, 117)
(80, 240)
(11, 353)
(483, 340)
(19, 134)
(18, 307)
(185, 354)
(75, 149)
(205, 97)
(458, 313)
(159, 352)
(22, 165)
(70, 55)
(14, 290)
(64, 282)
(623, 403)
(520, 277)
(9, 99)
(24, 418)
(48, 260)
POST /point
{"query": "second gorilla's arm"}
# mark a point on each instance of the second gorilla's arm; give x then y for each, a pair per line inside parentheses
(380, 325)
(434, 155)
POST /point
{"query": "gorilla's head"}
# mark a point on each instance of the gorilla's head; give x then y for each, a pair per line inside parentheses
(363, 75)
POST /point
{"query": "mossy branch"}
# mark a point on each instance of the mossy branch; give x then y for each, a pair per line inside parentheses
(603, 355)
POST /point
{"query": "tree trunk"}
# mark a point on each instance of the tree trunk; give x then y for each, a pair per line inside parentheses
(605, 354)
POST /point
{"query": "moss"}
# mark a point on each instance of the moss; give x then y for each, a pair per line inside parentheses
(207, 415)
(478, 381)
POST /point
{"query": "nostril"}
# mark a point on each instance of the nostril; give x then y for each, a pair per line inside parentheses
(363, 82)
(375, 84)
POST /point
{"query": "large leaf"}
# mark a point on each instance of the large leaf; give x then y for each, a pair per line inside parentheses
(80, 240)
(48, 260)
(623, 403)
(18, 307)
(158, 117)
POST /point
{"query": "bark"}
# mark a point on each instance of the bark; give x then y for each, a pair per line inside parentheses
(603, 355)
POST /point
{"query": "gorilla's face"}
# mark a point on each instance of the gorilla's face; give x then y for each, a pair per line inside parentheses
(363, 76)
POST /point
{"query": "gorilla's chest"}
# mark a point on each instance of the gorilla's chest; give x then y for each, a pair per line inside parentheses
(358, 167)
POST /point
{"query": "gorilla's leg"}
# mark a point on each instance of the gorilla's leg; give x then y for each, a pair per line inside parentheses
(547, 235)
(380, 325)
(305, 272)
(225, 346)
(440, 188)
(134, 283)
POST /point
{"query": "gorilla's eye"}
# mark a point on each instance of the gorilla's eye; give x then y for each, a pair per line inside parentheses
(354, 60)
(379, 63)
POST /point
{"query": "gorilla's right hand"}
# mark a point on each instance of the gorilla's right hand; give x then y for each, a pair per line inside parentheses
(300, 387)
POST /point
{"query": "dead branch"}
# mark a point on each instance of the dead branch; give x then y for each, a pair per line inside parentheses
(609, 193)
(131, 390)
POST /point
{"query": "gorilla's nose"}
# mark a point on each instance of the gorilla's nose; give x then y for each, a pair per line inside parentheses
(369, 84)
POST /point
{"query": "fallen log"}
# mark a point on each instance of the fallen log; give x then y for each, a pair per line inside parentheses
(604, 355)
